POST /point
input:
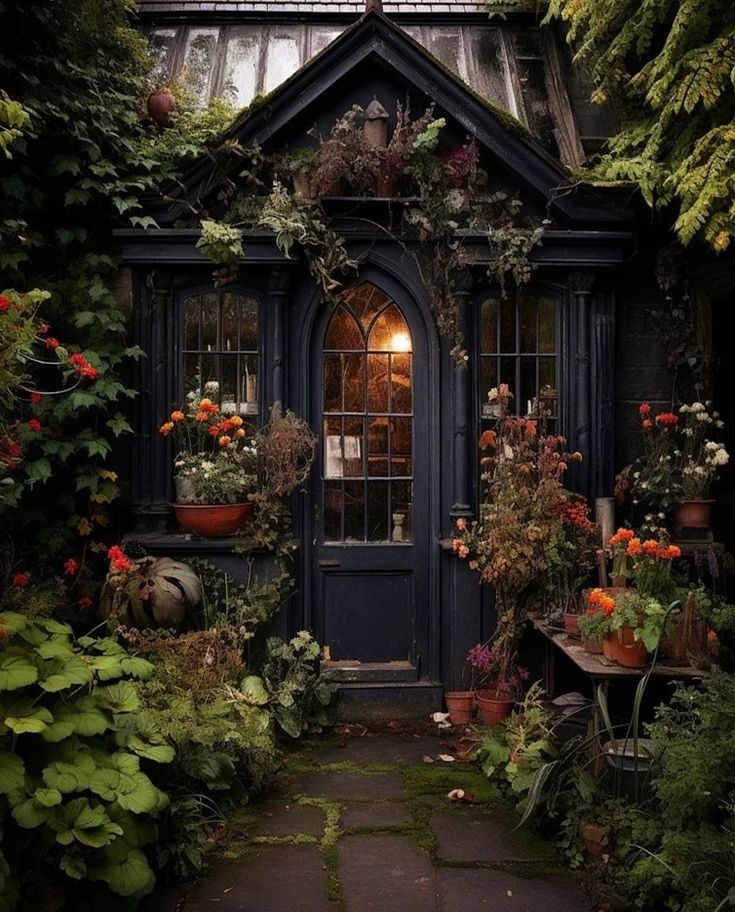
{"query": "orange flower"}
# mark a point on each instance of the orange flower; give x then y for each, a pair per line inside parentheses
(487, 440)
(672, 552)
(622, 535)
(461, 523)
(647, 424)
(166, 428)
(634, 547)
(595, 597)
(201, 416)
(177, 416)
(607, 604)
(225, 440)
(240, 432)
(650, 547)
(206, 405)
(235, 421)
(644, 410)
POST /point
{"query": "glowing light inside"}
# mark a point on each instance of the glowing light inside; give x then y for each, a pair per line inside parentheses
(400, 342)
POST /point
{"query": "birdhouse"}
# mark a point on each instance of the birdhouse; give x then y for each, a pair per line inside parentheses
(376, 125)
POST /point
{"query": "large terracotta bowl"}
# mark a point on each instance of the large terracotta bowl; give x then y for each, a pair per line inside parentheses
(212, 520)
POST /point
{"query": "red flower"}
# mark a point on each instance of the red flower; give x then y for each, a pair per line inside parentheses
(119, 559)
(43, 328)
(5, 304)
(15, 450)
(52, 343)
(644, 410)
(34, 425)
(667, 419)
(71, 567)
(20, 580)
(85, 602)
(36, 398)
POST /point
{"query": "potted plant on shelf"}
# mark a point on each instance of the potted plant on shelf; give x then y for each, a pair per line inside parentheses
(637, 620)
(679, 463)
(301, 165)
(215, 469)
(594, 625)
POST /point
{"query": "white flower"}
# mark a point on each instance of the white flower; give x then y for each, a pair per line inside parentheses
(720, 424)
(492, 394)
(684, 409)
(696, 407)
(703, 416)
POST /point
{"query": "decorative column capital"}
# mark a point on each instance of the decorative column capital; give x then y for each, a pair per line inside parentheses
(582, 283)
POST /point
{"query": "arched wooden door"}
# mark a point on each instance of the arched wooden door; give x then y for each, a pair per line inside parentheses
(371, 498)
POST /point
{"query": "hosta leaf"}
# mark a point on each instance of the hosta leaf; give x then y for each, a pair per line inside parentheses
(55, 649)
(73, 866)
(119, 698)
(133, 791)
(254, 690)
(66, 777)
(13, 622)
(160, 752)
(129, 877)
(16, 670)
(30, 814)
(108, 667)
(35, 720)
(79, 821)
(61, 674)
(47, 797)
(82, 717)
(12, 772)
(137, 667)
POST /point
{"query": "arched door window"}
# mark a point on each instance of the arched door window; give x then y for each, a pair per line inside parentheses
(367, 404)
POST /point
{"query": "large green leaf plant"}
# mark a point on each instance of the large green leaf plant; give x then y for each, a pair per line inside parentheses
(75, 803)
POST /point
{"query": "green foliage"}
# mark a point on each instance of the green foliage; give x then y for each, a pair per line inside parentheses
(669, 65)
(75, 802)
(14, 119)
(299, 691)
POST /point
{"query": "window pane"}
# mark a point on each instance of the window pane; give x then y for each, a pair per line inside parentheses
(229, 340)
(354, 511)
(242, 65)
(352, 460)
(489, 326)
(199, 59)
(333, 505)
(401, 383)
(378, 447)
(547, 324)
(488, 376)
(507, 325)
(378, 507)
(283, 56)
(321, 37)
(390, 332)
(192, 310)
(508, 375)
(445, 45)
(527, 305)
(489, 65)
(353, 382)
(229, 383)
(343, 333)
(210, 306)
(547, 372)
(366, 300)
(377, 383)
(528, 389)
(332, 383)
(161, 49)
(248, 324)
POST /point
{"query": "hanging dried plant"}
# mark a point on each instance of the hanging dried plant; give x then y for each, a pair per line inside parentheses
(287, 445)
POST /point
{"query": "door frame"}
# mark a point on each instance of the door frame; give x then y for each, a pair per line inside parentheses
(404, 287)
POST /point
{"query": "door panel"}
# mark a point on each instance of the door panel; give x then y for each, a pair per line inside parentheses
(370, 531)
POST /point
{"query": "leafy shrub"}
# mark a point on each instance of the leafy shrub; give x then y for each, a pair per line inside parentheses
(75, 804)
(298, 691)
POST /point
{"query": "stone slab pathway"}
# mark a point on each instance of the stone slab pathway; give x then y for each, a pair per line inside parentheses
(362, 823)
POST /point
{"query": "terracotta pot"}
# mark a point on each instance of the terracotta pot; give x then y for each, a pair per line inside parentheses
(494, 705)
(693, 514)
(212, 520)
(631, 653)
(610, 648)
(593, 646)
(460, 705)
(595, 837)
(160, 104)
(571, 624)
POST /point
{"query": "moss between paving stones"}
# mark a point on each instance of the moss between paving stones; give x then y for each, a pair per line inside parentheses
(328, 843)
(438, 780)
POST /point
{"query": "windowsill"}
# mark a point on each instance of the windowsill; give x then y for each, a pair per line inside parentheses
(164, 542)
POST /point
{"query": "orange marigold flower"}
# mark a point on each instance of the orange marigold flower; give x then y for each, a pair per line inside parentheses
(650, 547)
(607, 604)
(235, 421)
(672, 552)
(177, 416)
(206, 405)
(201, 416)
(647, 424)
(634, 547)
(225, 440)
(240, 432)
(595, 596)
(461, 523)
(622, 535)
(644, 409)
(166, 428)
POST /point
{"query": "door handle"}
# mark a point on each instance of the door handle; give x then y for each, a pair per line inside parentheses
(329, 563)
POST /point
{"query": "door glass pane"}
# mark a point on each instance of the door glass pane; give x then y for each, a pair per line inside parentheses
(547, 324)
(333, 509)
(489, 326)
(363, 386)
(402, 509)
(209, 322)
(400, 383)
(377, 383)
(192, 309)
(527, 307)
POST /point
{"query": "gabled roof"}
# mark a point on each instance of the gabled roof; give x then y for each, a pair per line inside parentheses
(374, 36)
(298, 8)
